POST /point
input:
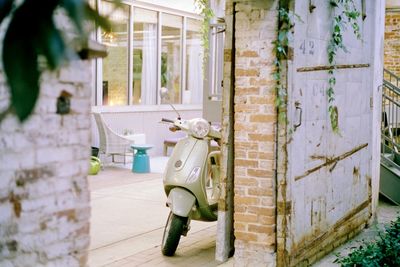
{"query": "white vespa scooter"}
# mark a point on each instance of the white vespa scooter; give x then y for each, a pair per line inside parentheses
(191, 180)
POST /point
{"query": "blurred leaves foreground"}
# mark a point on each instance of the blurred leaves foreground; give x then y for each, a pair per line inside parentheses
(30, 35)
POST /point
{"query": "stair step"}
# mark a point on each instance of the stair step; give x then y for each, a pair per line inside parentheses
(390, 182)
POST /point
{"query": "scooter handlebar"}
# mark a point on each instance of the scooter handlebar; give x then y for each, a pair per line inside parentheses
(167, 120)
(174, 128)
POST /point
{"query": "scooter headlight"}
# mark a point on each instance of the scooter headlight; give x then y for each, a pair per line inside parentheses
(199, 128)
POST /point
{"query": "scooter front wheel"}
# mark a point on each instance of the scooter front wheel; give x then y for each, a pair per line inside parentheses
(172, 233)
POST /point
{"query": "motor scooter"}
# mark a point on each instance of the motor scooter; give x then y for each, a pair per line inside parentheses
(191, 180)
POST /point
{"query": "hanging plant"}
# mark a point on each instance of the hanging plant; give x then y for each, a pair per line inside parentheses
(32, 34)
(208, 14)
(348, 15)
(285, 24)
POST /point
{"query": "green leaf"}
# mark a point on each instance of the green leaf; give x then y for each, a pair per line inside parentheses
(282, 36)
(333, 3)
(5, 8)
(277, 102)
(334, 116)
(76, 11)
(21, 68)
(282, 117)
(50, 43)
(281, 50)
(26, 38)
(32, 33)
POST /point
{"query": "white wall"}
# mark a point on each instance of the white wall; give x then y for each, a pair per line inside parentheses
(144, 119)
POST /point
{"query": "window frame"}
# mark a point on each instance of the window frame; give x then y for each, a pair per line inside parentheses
(98, 63)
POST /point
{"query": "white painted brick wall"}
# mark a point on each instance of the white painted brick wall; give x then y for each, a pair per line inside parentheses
(44, 199)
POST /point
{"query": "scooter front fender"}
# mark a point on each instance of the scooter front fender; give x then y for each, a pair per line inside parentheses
(180, 201)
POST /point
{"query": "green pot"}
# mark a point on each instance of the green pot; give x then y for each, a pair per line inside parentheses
(95, 164)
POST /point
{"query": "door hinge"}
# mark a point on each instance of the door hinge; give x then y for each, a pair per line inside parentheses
(371, 102)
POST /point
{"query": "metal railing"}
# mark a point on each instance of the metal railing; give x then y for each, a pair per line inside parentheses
(390, 77)
(389, 183)
(390, 113)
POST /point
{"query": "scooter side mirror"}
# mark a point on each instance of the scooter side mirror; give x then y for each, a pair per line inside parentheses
(164, 95)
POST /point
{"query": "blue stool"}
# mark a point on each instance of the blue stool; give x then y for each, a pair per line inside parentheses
(141, 161)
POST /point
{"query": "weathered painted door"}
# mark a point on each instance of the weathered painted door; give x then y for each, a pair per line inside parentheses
(328, 179)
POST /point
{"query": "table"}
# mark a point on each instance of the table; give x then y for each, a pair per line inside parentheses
(141, 161)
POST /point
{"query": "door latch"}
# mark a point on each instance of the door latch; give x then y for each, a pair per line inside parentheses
(298, 114)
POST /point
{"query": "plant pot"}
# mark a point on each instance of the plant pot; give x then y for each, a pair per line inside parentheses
(95, 151)
(94, 167)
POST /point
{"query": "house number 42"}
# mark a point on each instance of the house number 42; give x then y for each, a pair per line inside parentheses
(307, 47)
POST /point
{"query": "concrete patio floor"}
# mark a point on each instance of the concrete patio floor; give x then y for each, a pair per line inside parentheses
(129, 214)
(128, 218)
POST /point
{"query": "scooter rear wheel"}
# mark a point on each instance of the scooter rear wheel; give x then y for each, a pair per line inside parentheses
(172, 233)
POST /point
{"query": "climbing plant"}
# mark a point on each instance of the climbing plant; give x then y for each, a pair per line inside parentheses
(348, 15)
(285, 24)
(207, 13)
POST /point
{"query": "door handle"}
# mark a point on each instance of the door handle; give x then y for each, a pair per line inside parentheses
(299, 111)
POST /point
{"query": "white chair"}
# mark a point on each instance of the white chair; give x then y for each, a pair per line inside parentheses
(112, 143)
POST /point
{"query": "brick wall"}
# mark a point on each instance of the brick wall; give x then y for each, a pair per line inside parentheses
(392, 41)
(44, 197)
(254, 131)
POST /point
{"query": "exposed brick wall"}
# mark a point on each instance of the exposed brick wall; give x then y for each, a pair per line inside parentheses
(392, 41)
(44, 197)
(254, 130)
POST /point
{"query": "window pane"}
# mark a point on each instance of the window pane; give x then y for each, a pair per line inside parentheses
(194, 61)
(115, 65)
(144, 56)
(171, 56)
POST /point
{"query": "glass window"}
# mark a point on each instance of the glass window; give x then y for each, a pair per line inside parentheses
(139, 61)
(144, 57)
(171, 56)
(115, 65)
(194, 63)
